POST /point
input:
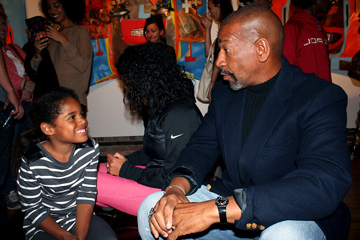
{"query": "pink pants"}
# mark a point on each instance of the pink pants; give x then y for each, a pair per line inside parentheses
(120, 193)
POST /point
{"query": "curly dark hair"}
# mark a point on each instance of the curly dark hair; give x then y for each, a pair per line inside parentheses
(46, 108)
(152, 79)
(225, 8)
(75, 9)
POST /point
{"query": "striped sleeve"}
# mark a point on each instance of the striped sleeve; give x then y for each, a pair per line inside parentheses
(87, 191)
(30, 195)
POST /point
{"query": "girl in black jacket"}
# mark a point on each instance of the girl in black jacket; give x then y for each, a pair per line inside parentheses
(159, 90)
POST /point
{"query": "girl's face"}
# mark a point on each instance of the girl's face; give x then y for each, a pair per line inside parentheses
(56, 11)
(3, 29)
(153, 33)
(214, 10)
(70, 126)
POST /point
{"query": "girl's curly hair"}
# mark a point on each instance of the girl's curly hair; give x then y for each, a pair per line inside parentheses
(75, 9)
(152, 79)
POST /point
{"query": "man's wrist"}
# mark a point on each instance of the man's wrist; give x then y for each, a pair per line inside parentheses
(179, 187)
(221, 203)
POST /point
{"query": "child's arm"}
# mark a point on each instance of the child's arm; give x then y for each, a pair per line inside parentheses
(52, 228)
(87, 193)
(31, 204)
(83, 217)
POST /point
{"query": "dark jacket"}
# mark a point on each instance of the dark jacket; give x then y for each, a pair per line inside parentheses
(294, 164)
(45, 77)
(164, 138)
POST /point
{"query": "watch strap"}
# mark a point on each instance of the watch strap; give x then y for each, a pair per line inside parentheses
(222, 214)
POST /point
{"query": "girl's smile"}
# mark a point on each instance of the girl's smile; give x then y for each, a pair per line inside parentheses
(70, 126)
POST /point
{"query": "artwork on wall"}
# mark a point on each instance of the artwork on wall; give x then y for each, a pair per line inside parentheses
(116, 24)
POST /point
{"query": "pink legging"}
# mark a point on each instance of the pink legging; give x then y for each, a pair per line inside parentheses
(120, 193)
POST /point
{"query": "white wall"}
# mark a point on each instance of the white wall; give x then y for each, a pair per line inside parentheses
(108, 117)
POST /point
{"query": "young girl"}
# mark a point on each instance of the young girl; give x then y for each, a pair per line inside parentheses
(57, 175)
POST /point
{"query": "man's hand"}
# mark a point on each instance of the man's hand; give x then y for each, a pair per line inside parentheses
(114, 163)
(161, 220)
(193, 217)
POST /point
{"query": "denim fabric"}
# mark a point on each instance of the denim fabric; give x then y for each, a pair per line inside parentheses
(295, 230)
(6, 135)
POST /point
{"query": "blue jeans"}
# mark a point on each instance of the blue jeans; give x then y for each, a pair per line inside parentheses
(20, 126)
(294, 230)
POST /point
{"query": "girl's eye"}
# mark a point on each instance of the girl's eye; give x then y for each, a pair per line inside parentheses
(82, 115)
(72, 117)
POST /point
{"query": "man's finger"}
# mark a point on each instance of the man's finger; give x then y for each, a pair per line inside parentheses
(174, 235)
(155, 227)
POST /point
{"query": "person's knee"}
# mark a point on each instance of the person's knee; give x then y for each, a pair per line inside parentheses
(100, 229)
(143, 214)
(149, 202)
(300, 230)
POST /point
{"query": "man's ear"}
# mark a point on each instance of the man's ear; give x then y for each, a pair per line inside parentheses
(162, 32)
(263, 49)
(47, 129)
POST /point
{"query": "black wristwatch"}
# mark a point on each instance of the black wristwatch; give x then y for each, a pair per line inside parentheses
(221, 203)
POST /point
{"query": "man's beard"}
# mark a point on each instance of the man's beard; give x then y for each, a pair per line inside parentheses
(236, 85)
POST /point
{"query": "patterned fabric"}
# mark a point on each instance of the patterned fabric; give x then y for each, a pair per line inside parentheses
(36, 24)
(48, 187)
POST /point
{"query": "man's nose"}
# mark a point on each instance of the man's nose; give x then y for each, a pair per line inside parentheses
(220, 61)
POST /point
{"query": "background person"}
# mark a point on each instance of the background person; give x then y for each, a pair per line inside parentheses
(217, 11)
(282, 135)
(70, 46)
(306, 43)
(14, 61)
(154, 32)
(45, 77)
(7, 94)
(162, 94)
(10, 35)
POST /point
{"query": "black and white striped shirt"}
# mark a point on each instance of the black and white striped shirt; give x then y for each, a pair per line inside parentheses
(49, 187)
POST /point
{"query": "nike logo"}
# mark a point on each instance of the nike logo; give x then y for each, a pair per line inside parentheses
(176, 136)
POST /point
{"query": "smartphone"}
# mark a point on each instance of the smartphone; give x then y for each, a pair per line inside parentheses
(40, 35)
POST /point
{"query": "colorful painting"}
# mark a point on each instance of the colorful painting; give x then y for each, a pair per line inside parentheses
(116, 24)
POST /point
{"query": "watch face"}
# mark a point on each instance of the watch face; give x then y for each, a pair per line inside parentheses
(221, 201)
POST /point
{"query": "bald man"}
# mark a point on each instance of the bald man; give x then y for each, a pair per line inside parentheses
(282, 135)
